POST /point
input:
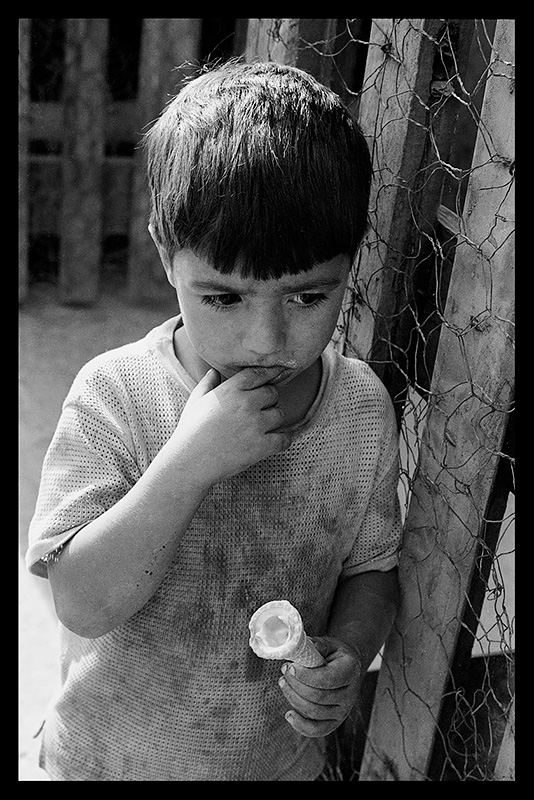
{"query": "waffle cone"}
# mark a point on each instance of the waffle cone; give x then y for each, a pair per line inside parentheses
(306, 653)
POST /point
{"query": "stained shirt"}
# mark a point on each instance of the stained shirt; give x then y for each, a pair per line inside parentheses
(175, 693)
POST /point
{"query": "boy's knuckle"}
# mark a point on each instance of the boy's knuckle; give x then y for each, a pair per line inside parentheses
(277, 414)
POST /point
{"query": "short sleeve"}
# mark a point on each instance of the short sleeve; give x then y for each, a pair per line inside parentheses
(378, 527)
(90, 465)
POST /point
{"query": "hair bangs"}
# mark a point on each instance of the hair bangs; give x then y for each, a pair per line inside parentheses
(259, 169)
(264, 237)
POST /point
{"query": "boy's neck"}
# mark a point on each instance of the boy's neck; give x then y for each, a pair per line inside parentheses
(294, 398)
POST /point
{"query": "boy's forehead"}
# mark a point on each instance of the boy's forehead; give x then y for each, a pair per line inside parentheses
(200, 274)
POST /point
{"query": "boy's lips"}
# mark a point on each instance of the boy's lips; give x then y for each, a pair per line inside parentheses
(281, 376)
(282, 365)
(281, 371)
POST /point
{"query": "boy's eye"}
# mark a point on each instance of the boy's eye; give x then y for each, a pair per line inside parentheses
(221, 300)
(308, 300)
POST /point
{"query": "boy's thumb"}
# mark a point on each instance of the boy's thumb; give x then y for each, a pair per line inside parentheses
(210, 380)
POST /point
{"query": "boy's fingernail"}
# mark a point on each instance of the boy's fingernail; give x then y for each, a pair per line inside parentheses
(289, 716)
(292, 670)
(284, 669)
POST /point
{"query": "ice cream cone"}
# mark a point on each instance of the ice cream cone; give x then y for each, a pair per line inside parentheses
(277, 632)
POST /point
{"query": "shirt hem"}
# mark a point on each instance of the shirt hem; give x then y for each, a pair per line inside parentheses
(41, 551)
(379, 565)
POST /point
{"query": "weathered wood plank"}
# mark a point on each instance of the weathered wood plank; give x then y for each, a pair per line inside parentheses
(24, 104)
(451, 221)
(117, 195)
(45, 194)
(47, 123)
(505, 766)
(304, 43)
(166, 47)
(272, 40)
(453, 106)
(392, 115)
(83, 153)
(45, 187)
(471, 392)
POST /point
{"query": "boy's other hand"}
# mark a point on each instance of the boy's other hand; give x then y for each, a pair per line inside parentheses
(226, 427)
(322, 697)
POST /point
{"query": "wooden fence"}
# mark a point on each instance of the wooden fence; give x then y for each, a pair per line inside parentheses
(88, 181)
(430, 306)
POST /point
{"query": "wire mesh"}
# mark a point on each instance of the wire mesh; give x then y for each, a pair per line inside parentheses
(435, 100)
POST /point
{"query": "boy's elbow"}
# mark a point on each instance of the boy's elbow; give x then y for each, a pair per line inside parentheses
(75, 615)
(88, 626)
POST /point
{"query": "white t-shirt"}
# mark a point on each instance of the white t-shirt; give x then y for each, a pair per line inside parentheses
(175, 693)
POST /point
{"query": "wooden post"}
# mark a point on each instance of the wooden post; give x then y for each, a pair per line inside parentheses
(505, 766)
(392, 115)
(166, 46)
(272, 40)
(304, 43)
(471, 392)
(24, 112)
(83, 153)
(454, 107)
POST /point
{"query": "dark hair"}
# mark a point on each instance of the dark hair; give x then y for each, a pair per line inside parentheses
(258, 167)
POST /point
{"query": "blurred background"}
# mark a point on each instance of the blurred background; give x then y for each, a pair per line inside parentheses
(89, 87)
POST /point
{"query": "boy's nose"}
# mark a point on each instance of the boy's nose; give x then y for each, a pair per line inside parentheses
(265, 334)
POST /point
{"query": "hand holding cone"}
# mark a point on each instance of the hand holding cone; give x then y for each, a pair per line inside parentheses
(277, 632)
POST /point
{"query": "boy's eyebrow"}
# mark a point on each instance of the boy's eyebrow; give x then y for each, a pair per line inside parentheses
(311, 285)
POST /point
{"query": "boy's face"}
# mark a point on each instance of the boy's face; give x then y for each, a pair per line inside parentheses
(233, 322)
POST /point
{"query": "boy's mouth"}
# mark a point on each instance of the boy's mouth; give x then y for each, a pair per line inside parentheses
(281, 365)
(283, 375)
(285, 368)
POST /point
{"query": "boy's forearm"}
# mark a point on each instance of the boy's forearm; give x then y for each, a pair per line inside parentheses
(363, 612)
(112, 566)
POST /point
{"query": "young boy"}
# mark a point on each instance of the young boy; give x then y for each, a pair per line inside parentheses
(229, 458)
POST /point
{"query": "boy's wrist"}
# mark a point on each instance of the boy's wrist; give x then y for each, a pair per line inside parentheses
(179, 464)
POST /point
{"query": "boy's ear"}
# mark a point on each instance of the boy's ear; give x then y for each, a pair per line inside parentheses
(163, 254)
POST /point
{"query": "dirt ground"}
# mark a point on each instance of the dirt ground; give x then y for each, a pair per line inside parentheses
(54, 342)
